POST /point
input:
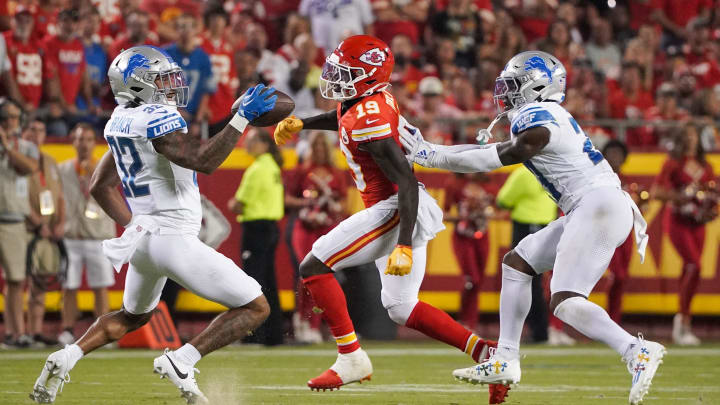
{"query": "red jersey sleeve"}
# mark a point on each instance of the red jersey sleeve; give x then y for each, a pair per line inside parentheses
(376, 117)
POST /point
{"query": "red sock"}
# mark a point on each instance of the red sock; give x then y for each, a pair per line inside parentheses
(329, 297)
(440, 326)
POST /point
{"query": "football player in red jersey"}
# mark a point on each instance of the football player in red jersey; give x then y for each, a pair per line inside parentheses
(399, 219)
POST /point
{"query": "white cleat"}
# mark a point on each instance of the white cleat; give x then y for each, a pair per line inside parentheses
(494, 370)
(54, 375)
(348, 368)
(181, 375)
(644, 359)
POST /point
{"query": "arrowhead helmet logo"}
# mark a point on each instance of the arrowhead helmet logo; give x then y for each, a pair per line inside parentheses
(374, 57)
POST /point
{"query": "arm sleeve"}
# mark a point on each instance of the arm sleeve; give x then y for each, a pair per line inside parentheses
(466, 158)
(164, 122)
(512, 190)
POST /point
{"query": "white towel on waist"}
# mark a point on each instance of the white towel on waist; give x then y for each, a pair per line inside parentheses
(120, 250)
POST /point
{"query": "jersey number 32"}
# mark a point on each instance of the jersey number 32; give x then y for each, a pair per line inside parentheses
(120, 147)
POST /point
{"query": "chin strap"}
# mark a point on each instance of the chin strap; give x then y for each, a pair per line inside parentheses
(484, 135)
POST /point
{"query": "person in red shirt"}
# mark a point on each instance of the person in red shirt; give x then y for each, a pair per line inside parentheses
(396, 17)
(629, 99)
(114, 25)
(45, 14)
(666, 109)
(699, 54)
(317, 190)
(65, 64)
(222, 58)
(406, 72)
(674, 16)
(687, 186)
(26, 60)
(470, 239)
(138, 33)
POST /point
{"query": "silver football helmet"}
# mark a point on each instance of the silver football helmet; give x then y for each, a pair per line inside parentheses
(148, 75)
(530, 77)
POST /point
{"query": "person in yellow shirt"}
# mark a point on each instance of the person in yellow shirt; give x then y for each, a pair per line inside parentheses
(530, 210)
(259, 204)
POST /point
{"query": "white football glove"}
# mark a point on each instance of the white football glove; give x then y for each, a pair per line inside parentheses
(417, 149)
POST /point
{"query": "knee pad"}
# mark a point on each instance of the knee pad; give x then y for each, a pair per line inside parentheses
(398, 310)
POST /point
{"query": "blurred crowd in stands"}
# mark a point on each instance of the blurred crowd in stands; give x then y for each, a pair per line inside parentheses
(649, 60)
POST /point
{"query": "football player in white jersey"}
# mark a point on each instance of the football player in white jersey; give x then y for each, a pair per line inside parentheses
(578, 246)
(155, 160)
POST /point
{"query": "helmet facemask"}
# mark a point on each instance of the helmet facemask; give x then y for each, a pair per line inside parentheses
(507, 94)
(337, 82)
(171, 88)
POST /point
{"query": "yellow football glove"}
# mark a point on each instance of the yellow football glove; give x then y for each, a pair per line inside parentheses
(400, 261)
(287, 128)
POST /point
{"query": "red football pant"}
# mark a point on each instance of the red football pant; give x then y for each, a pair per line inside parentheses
(619, 274)
(688, 240)
(471, 255)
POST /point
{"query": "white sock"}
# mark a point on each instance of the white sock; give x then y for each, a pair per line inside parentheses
(592, 321)
(515, 299)
(188, 354)
(75, 353)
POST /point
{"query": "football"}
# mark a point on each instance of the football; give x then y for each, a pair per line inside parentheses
(284, 105)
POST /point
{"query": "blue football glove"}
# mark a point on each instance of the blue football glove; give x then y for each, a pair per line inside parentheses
(256, 102)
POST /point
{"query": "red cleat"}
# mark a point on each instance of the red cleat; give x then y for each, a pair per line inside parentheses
(497, 393)
(348, 368)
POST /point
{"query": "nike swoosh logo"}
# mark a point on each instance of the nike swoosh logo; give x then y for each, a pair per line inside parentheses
(245, 102)
(181, 375)
(371, 121)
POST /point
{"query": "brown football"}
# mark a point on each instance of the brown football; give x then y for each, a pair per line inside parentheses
(284, 105)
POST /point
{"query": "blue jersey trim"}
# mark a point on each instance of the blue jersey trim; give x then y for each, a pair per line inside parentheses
(166, 127)
(594, 155)
(545, 183)
(163, 118)
(531, 119)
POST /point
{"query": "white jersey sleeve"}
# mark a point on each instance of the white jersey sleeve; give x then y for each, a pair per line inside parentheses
(569, 165)
(153, 185)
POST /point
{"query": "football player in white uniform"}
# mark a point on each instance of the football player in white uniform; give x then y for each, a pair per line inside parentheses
(578, 246)
(155, 160)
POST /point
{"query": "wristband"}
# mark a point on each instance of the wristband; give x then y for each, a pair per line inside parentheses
(238, 122)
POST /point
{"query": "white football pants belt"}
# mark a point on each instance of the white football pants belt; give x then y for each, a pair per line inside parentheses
(639, 228)
(120, 250)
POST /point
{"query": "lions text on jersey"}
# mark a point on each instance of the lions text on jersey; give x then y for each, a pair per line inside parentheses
(569, 165)
(152, 184)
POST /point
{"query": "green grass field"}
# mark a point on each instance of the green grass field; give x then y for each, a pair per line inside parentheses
(405, 373)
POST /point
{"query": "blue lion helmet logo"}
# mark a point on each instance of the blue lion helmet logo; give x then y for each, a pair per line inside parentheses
(136, 61)
(537, 62)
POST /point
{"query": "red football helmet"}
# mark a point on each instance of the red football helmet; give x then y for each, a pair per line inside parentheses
(359, 66)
